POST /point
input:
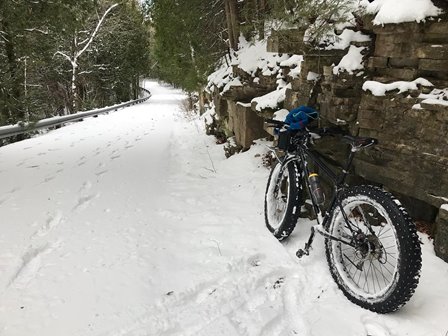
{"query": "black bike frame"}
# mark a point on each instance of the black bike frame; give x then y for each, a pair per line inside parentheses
(306, 156)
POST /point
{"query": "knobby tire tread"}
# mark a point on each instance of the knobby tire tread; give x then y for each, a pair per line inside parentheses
(293, 207)
(409, 264)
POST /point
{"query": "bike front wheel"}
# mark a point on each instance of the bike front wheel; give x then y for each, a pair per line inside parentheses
(380, 268)
(282, 199)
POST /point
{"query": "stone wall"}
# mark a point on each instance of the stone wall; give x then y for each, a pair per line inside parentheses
(411, 159)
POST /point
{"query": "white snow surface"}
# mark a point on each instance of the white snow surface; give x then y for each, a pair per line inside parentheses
(252, 56)
(272, 99)
(380, 89)
(344, 40)
(351, 62)
(280, 115)
(120, 226)
(397, 11)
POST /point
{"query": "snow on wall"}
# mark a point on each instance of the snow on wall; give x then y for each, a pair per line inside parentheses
(397, 11)
(272, 99)
(380, 89)
(351, 62)
(436, 96)
(344, 40)
(252, 58)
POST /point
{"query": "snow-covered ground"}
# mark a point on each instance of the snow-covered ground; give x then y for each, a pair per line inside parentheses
(134, 223)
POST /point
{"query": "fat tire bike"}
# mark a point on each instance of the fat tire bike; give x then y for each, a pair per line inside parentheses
(371, 243)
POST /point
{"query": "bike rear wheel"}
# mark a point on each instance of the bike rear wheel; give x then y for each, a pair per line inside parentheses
(381, 270)
(282, 199)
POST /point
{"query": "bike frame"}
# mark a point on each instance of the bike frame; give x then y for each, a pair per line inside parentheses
(303, 155)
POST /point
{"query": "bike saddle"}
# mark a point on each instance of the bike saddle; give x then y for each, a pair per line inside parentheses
(359, 142)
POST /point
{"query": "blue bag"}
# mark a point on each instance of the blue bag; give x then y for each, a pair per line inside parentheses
(299, 117)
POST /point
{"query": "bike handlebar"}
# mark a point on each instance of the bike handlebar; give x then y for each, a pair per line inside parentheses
(323, 131)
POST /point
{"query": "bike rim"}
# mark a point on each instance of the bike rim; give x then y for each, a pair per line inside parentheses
(278, 197)
(371, 269)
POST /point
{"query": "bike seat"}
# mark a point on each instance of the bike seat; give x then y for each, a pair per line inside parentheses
(359, 142)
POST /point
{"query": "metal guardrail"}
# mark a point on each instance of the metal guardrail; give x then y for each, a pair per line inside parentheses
(21, 128)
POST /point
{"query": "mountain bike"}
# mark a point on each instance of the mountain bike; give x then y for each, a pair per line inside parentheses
(371, 243)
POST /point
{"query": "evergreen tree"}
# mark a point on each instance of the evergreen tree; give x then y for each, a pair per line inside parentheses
(188, 40)
(36, 80)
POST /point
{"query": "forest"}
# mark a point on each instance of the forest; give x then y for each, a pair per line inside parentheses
(58, 57)
(62, 56)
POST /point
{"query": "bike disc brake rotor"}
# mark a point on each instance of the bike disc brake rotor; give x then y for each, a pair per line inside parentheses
(370, 268)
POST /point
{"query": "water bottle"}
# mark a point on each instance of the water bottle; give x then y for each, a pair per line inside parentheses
(316, 190)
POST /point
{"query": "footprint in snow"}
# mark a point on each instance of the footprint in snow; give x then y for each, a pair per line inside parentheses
(374, 328)
(30, 264)
(13, 190)
(84, 201)
(51, 222)
(101, 172)
(85, 186)
(48, 179)
(256, 259)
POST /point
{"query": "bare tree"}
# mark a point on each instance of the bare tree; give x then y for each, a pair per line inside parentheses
(79, 48)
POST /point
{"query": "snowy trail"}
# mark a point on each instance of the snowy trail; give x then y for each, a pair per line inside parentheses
(119, 226)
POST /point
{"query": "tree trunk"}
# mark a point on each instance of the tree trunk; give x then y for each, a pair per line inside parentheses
(233, 28)
(74, 88)
(13, 69)
(261, 10)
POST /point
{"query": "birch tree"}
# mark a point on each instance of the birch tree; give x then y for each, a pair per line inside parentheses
(79, 48)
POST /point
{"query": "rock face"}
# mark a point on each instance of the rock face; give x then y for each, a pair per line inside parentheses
(411, 159)
(245, 124)
(441, 238)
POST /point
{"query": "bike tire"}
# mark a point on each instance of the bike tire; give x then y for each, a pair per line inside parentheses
(389, 224)
(283, 192)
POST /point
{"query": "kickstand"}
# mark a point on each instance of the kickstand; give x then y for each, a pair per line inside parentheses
(305, 251)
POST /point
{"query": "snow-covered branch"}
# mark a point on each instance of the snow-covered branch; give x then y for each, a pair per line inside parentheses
(30, 30)
(79, 53)
(63, 55)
